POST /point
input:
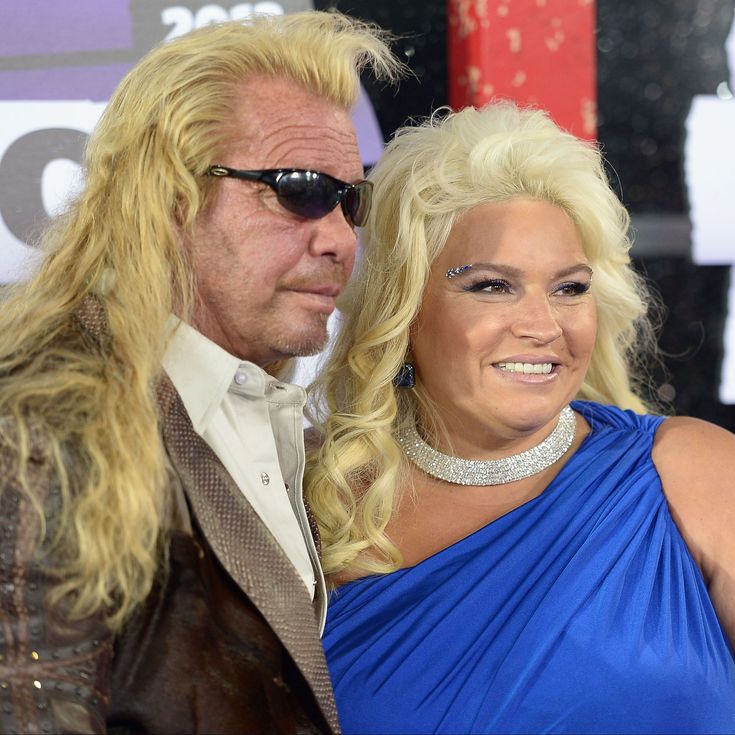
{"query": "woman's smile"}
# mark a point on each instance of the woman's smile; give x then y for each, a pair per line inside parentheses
(508, 322)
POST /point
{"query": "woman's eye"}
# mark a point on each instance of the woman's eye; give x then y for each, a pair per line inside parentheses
(573, 288)
(494, 286)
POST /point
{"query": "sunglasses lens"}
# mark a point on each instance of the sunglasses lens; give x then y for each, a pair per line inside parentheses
(307, 194)
(356, 202)
(313, 195)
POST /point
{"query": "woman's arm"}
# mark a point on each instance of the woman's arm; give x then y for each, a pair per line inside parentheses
(696, 463)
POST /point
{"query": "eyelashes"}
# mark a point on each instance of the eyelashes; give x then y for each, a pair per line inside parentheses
(574, 288)
(501, 286)
(496, 285)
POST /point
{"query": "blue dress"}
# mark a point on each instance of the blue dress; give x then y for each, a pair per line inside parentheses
(581, 611)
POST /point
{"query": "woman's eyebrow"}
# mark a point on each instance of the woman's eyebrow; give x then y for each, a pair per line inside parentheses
(575, 269)
(515, 272)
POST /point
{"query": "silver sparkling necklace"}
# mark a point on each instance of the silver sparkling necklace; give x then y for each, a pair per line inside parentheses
(491, 471)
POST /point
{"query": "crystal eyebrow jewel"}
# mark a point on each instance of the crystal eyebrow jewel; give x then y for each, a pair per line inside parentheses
(452, 272)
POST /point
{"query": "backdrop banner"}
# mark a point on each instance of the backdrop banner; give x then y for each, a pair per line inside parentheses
(538, 53)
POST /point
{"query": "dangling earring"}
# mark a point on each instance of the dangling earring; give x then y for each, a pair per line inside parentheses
(406, 377)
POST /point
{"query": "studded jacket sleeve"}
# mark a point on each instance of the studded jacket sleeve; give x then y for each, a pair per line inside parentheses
(54, 676)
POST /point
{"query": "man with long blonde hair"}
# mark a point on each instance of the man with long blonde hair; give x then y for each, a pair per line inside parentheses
(158, 571)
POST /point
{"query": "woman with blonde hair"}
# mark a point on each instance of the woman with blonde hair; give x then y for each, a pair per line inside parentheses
(515, 544)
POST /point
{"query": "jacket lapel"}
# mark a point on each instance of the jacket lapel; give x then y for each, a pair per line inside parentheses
(246, 548)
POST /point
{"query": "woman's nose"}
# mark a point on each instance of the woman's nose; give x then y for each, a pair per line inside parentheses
(537, 321)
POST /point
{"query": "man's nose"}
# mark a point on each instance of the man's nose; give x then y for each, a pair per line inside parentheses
(333, 237)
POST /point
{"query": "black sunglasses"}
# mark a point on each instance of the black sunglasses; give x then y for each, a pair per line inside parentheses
(309, 194)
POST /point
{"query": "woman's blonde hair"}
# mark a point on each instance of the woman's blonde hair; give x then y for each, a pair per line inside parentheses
(428, 176)
(120, 242)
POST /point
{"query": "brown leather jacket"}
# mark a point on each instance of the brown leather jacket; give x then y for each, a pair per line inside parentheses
(226, 642)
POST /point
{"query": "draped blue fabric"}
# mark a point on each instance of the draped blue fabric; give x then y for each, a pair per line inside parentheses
(581, 611)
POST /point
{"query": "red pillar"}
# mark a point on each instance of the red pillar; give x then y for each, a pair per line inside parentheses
(536, 52)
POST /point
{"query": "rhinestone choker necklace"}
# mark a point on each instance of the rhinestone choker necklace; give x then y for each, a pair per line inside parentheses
(491, 471)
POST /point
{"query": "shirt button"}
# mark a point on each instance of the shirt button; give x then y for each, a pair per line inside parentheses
(264, 478)
(240, 377)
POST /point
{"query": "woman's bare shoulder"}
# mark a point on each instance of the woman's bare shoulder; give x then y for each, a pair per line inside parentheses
(696, 462)
(690, 453)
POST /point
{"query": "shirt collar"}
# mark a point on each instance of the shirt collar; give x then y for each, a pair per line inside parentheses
(203, 372)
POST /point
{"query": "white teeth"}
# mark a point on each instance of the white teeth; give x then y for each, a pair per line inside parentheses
(543, 368)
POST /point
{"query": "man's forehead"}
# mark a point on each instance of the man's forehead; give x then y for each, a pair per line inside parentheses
(282, 124)
(272, 103)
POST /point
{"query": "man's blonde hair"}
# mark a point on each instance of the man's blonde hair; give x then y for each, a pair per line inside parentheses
(120, 242)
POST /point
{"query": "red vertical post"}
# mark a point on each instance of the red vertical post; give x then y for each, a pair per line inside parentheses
(536, 52)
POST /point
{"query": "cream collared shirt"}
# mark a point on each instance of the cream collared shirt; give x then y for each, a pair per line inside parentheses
(254, 424)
